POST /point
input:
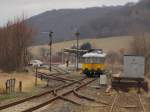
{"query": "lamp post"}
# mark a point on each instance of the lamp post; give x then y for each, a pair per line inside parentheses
(77, 54)
(50, 45)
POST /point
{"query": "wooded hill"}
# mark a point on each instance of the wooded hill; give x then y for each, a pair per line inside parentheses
(96, 22)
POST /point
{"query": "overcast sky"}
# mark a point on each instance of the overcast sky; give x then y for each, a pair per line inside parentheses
(12, 8)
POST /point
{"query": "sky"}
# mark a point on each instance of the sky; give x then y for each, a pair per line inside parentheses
(9, 9)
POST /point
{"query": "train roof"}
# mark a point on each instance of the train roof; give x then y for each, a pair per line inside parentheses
(94, 54)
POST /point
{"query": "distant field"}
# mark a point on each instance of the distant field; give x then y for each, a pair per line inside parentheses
(107, 44)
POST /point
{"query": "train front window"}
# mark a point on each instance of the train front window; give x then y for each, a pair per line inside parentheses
(86, 60)
(102, 60)
(93, 60)
(98, 60)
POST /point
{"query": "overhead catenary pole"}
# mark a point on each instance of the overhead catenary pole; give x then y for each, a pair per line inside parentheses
(77, 53)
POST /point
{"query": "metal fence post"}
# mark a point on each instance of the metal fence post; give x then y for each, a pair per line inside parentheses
(20, 86)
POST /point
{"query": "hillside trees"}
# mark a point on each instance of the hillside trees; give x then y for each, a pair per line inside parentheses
(86, 46)
(141, 46)
(15, 38)
(141, 42)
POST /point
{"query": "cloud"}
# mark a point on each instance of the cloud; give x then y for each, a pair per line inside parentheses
(11, 8)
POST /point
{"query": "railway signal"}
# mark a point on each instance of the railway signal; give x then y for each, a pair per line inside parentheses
(50, 33)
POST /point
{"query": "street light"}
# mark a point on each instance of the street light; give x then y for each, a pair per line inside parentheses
(77, 54)
(50, 45)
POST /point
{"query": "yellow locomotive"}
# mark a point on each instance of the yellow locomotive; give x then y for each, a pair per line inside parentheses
(93, 63)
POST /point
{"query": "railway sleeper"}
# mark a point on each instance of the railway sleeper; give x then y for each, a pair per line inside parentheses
(69, 100)
(54, 76)
(49, 77)
(56, 97)
(129, 106)
(88, 98)
(79, 104)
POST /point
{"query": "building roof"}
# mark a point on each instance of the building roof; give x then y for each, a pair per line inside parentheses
(94, 54)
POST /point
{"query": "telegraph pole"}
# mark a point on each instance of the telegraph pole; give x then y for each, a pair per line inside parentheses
(50, 45)
(77, 53)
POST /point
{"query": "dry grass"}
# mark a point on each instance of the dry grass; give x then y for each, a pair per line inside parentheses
(28, 81)
(107, 44)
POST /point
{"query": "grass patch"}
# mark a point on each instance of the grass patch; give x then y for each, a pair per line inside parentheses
(16, 95)
(36, 89)
(7, 96)
(12, 96)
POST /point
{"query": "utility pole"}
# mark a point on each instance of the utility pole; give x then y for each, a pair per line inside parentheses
(50, 45)
(77, 54)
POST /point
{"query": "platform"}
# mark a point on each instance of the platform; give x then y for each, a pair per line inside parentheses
(124, 83)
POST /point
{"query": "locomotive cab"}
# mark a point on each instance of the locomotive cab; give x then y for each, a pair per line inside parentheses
(93, 63)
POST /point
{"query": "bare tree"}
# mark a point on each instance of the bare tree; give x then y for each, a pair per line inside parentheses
(112, 58)
(15, 38)
(120, 55)
(141, 46)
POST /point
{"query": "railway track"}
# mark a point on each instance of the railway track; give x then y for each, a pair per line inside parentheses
(126, 102)
(59, 70)
(54, 77)
(60, 95)
(122, 102)
(36, 100)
